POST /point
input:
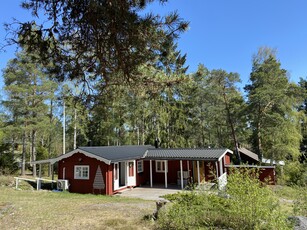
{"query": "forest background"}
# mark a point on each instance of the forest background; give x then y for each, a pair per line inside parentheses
(112, 75)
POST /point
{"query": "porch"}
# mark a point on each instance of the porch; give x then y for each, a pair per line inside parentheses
(148, 193)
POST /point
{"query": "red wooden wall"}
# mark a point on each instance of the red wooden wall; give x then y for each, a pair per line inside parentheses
(81, 185)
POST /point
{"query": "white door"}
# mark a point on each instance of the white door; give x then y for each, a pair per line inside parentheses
(131, 172)
(116, 176)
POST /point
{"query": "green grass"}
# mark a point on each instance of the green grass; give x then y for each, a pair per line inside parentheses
(292, 199)
(30, 209)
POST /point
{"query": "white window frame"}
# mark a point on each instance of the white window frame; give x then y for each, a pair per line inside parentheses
(162, 162)
(82, 176)
(140, 166)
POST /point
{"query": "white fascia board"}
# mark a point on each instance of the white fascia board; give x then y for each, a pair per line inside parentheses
(69, 154)
(83, 152)
(145, 155)
(227, 151)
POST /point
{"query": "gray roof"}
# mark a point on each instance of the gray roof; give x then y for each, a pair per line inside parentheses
(249, 153)
(118, 153)
(186, 154)
(111, 154)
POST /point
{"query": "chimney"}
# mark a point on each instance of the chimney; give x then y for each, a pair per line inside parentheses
(157, 143)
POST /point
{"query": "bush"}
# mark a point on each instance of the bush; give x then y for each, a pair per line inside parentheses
(8, 165)
(295, 173)
(252, 204)
(247, 205)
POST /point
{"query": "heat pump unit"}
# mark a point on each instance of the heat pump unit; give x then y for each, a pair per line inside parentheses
(62, 185)
(186, 174)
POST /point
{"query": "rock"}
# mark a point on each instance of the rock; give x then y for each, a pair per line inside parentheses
(300, 222)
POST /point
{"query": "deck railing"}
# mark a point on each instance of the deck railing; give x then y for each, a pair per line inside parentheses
(222, 181)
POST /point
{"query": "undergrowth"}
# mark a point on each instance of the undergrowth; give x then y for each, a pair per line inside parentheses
(246, 204)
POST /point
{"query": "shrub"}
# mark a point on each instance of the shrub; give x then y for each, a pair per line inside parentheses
(252, 204)
(295, 173)
(8, 165)
(248, 204)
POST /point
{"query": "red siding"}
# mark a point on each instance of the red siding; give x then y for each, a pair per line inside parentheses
(173, 168)
(85, 186)
(266, 174)
(227, 159)
(143, 177)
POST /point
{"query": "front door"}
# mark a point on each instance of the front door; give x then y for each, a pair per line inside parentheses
(122, 174)
(116, 176)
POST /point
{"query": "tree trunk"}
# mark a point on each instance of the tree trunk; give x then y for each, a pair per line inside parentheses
(23, 158)
(50, 137)
(34, 151)
(258, 135)
(233, 133)
(75, 129)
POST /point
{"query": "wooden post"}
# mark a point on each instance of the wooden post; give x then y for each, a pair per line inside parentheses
(165, 172)
(38, 184)
(181, 174)
(221, 168)
(217, 170)
(198, 173)
(150, 166)
(40, 171)
(17, 181)
(52, 175)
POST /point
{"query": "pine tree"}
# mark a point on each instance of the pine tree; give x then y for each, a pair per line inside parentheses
(27, 88)
(271, 108)
(90, 40)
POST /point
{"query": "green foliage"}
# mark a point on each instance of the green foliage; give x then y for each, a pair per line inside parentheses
(295, 197)
(8, 165)
(300, 204)
(88, 40)
(251, 205)
(295, 173)
(272, 103)
(247, 205)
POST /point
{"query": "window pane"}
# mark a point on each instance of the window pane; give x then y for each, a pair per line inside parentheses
(159, 166)
(85, 172)
(78, 172)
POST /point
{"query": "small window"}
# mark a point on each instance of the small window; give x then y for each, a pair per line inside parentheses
(160, 166)
(82, 172)
(140, 166)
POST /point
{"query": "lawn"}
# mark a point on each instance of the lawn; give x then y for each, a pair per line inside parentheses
(30, 209)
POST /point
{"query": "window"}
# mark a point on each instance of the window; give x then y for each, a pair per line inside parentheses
(82, 172)
(160, 166)
(140, 166)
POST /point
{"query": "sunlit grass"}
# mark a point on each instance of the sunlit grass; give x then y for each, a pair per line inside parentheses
(31, 209)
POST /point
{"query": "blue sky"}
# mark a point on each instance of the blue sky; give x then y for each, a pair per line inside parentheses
(224, 34)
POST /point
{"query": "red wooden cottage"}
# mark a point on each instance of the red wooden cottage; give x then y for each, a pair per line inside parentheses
(109, 169)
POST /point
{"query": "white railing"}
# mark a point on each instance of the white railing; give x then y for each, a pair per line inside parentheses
(222, 181)
(37, 180)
